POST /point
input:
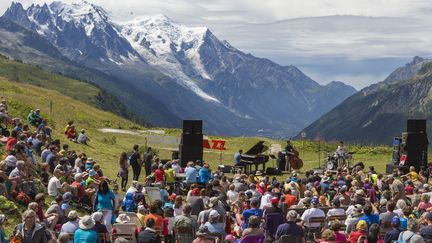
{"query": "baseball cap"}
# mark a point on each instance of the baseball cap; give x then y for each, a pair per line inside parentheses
(315, 200)
(214, 214)
(358, 208)
(274, 200)
(396, 221)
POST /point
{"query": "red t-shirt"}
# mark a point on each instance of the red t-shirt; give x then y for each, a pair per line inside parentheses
(80, 189)
(40, 214)
(290, 200)
(159, 175)
(11, 141)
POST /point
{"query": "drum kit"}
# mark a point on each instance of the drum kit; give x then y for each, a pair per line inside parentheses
(336, 160)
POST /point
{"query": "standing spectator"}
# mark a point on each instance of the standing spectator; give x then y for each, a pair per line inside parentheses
(135, 162)
(85, 233)
(105, 201)
(148, 158)
(123, 171)
(29, 230)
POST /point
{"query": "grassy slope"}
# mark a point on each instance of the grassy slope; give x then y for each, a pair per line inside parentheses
(105, 147)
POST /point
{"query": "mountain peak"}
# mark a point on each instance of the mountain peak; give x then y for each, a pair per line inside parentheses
(416, 60)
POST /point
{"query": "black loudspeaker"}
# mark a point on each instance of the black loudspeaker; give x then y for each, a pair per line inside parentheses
(190, 148)
(416, 126)
(273, 171)
(192, 126)
(415, 148)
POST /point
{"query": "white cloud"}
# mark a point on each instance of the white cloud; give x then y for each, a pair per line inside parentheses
(295, 32)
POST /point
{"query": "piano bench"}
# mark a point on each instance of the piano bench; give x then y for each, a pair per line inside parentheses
(235, 168)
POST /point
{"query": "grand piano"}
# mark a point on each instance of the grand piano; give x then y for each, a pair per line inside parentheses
(255, 157)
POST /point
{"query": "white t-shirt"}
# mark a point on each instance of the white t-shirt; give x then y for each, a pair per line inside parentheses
(336, 212)
(312, 213)
(54, 186)
(265, 200)
(232, 196)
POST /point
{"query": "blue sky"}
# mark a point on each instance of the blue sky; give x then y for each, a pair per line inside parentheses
(358, 42)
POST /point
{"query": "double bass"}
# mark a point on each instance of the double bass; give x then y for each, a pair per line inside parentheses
(294, 160)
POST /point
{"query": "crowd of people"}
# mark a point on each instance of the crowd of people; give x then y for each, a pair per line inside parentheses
(171, 203)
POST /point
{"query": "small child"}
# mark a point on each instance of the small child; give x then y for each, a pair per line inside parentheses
(118, 199)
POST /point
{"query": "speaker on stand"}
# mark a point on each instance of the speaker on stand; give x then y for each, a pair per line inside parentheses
(191, 144)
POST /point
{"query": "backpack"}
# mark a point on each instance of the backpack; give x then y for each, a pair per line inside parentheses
(22, 198)
(400, 239)
(129, 204)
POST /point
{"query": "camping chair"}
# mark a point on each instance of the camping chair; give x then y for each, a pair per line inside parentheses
(272, 221)
(102, 237)
(133, 218)
(289, 239)
(311, 231)
(341, 218)
(253, 239)
(152, 194)
(126, 231)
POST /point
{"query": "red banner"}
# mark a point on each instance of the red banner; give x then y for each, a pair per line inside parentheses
(214, 144)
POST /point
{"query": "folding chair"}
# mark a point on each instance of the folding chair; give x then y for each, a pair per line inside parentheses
(253, 239)
(289, 239)
(126, 231)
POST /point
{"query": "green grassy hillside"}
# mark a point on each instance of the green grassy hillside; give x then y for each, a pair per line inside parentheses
(79, 90)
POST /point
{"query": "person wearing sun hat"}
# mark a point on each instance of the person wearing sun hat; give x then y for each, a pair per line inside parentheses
(361, 230)
(72, 225)
(85, 233)
(213, 224)
(312, 212)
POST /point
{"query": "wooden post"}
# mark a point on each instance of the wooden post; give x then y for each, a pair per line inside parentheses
(50, 106)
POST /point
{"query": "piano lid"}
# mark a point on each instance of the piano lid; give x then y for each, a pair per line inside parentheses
(258, 148)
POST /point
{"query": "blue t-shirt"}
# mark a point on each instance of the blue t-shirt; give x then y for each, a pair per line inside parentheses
(251, 212)
(370, 219)
(105, 201)
(191, 175)
(85, 236)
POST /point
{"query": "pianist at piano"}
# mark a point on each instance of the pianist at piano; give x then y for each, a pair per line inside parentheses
(237, 158)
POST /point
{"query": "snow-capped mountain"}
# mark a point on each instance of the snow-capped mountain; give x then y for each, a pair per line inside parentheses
(80, 30)
(161, 42)
(188, 70)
